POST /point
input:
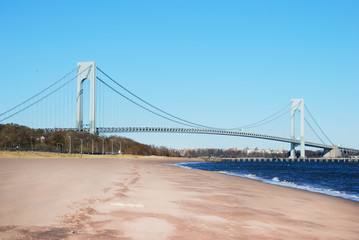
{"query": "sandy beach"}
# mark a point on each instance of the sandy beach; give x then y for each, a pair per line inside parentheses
(148, 198)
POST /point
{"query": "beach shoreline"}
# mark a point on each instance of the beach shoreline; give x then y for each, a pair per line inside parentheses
(280, 178)
(149, 198)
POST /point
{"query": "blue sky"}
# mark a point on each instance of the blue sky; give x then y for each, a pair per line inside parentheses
(218, 63)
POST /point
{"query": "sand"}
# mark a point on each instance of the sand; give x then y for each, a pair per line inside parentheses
(147, 198)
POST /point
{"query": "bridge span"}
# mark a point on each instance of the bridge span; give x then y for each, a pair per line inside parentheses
(88, 71)
(201, 131)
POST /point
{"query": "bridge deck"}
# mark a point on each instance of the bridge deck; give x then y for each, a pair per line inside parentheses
(200, 131)
(286, 160)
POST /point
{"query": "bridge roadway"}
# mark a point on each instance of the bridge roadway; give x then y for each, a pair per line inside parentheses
(200, 131)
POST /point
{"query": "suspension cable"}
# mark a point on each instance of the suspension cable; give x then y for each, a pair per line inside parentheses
(270, 120)
(313, 130)
(318, 125)
(23, 109)
(158, 109)
(259, 123)
(39, 92)
(149, 110)
(192, 123)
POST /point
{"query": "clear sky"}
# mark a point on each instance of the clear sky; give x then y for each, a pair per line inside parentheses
(218, 63)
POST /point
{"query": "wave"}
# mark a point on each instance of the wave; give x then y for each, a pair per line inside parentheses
(330, 192)
(185, 165)
(280, 182)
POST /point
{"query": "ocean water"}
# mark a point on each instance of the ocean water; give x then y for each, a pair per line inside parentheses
(335, 179)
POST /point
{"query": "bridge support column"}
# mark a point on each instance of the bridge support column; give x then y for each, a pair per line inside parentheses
(298, 104)
(86, 70)
(292, 150)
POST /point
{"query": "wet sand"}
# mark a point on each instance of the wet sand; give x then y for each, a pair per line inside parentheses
(146, 198)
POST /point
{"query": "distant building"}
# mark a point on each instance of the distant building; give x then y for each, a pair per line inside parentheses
(249, 151)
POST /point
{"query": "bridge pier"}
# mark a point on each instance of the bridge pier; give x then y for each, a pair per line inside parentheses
(298, 105)
(86, 70)
(292, 151)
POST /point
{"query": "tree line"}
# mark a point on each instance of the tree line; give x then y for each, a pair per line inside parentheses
(14, 136)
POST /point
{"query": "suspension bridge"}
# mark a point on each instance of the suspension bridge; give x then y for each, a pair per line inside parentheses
(87, 94)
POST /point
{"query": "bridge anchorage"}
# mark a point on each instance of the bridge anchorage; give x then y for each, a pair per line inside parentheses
(88, 71)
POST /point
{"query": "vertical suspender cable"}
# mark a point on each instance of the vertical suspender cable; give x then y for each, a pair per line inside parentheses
(39, 100)
(188, 123)
(38, 93)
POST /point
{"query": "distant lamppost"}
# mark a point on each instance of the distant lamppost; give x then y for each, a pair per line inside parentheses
(69, 144)
(112, 145)
(80, 144)
(87, 146)
(103, 146)
(120, 148)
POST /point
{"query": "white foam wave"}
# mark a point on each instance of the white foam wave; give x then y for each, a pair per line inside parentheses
(181, 165)
(309, 188)
(187, 165)
(275, 179)
(251, 176)
(284, 183)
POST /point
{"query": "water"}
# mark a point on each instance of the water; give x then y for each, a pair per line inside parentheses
(339, 179)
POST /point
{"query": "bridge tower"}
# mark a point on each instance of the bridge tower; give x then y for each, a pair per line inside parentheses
(86, 70)
(298, 104)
